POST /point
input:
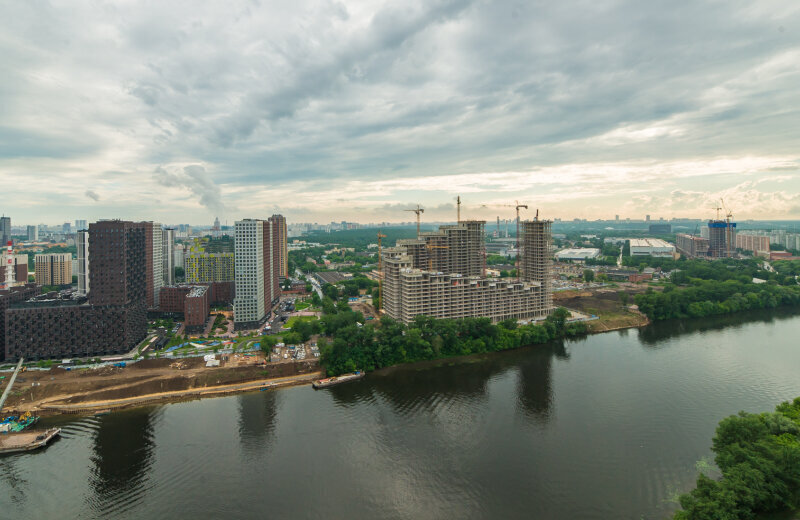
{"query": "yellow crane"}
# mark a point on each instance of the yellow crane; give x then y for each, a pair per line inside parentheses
(380, 274)
(419, 210)
(430, 248)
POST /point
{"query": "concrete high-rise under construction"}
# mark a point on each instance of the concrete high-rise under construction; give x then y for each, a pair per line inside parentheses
(441, 275)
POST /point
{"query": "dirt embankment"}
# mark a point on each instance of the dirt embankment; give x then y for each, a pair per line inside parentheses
(612, 306)
(58, 388)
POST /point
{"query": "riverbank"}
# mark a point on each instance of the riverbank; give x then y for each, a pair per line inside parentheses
(59, 391)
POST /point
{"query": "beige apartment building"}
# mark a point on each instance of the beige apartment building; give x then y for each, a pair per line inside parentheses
(53, 268)
(441, 275)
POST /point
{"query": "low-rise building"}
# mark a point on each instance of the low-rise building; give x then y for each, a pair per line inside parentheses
(191, 301)
(691, 245)
(652, 247)
(577, 254)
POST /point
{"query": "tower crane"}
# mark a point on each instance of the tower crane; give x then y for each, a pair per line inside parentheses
(419, 210)
(517, 206)
(380, 274)
(458, 205)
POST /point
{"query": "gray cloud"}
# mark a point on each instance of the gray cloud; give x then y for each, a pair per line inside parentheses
(92, 195)
(270, 95)
(198, 181)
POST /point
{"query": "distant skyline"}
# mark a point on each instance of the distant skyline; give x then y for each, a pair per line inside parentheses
(330, 111)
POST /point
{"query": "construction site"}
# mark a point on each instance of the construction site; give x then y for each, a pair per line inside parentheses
(716, 240)
(442, 274)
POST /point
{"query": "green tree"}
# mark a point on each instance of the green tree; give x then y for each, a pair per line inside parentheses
(588, 275)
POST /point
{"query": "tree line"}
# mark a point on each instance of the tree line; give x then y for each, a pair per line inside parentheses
(369, 346)
(759, 457)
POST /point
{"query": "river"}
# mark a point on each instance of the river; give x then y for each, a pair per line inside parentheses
(609, 426)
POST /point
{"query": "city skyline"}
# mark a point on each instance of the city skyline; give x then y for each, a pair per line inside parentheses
(327, 112)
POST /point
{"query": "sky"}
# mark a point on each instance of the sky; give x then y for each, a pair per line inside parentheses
(182, 111)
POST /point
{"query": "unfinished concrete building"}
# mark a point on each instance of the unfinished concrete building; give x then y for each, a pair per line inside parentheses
(536, 260)
(441, 275)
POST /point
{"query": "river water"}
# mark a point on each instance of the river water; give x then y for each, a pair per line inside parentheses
(610, 426)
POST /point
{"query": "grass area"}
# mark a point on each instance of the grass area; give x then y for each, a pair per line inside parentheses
(295, 319)
(302, 305)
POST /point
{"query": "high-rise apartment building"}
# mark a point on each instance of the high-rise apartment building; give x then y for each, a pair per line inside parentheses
(81, 224)
(283, 236)
(66, 228)
(114, 318)
(155, 262)
(33, 233)
(82, 245)
(248, 304)
(168, 256)
(5, 230)
(202, 266)
(451, 285)
(273, 238)
(53, 268)
(257, 252)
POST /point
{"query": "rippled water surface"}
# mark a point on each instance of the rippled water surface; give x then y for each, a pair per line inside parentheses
(606, 427)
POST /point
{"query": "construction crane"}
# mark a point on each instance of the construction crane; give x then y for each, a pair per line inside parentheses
(458, 205)
(430, 248)
(516, 206)
(380, 274)
(419, 210)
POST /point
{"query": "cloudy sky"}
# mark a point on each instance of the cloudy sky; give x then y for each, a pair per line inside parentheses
(179, 112)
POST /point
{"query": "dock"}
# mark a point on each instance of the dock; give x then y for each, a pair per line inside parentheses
(26, 441)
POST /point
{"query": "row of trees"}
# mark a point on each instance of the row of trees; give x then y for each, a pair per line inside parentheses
(759, 457)
(710, 297)
(391, 342)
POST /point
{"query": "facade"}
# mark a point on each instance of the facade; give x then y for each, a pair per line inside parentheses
(202, 267)
(721, 240)
(33, 234)
(651, 247)
(754, 243)
(283, 247)
(53, 268)
(11, 296)
(410, 290)
(82, 245)
(248, 306)
(81, 224)
(257, 252)
(691, 246)
(191, 301)
(168, 255)
(536, 261)
(113, 317)
(154, 262)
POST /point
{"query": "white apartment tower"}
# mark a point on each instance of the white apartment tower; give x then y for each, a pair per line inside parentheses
(82, 244)
(168, 255)
(249, 302)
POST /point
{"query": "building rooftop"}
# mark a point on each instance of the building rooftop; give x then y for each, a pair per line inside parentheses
(649, 242)
(580, 253)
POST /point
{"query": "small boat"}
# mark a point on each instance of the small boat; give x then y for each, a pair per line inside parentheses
(26, 441)
(99, 413)
(330, 381)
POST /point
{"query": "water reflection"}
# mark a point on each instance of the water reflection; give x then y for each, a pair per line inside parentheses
(258, 414)
(535, 381)
(654, 334)
(11, 476)
(122, 456)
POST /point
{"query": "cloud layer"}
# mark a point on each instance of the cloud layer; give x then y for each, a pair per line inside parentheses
(327, 111)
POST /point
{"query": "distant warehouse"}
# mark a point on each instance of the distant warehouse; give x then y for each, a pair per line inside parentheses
(577, 254)
(652, 247)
